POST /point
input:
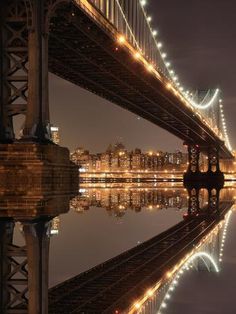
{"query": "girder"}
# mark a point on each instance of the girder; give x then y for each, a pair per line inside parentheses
(93, 60)
(83, 50)
(24, 269)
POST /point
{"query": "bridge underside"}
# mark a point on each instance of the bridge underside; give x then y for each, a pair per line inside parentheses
(88, 54)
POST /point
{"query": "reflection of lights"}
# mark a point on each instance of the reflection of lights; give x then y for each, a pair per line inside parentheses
(137, 305)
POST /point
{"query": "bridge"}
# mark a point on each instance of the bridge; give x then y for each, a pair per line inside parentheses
(117, 285)
(109, 48)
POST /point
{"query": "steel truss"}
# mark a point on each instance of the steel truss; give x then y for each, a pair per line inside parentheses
(24, 30)
(24, 269)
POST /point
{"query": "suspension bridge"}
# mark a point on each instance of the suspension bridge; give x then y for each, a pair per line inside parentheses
(111, 49)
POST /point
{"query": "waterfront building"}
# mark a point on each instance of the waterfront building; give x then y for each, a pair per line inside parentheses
(117, 159)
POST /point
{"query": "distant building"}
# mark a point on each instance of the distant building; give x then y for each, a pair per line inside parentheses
(55, 134)
(117, 159)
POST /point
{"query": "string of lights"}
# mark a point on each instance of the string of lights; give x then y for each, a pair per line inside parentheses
(175, 81)
(184, 265)
(170, 74)
(224, 235)
(202, 255)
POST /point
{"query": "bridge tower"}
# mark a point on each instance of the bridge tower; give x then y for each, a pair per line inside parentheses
(213, 173)
(24, 28)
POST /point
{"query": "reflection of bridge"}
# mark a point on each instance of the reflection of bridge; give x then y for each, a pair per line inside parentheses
(207, 257)
(111, 51)
(115, 285)
(107, 48)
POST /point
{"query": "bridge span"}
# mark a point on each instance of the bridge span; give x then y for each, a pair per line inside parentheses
(87, 49)
(108, 48)
(116, 285)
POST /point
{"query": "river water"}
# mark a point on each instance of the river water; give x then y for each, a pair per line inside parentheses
(105, 220)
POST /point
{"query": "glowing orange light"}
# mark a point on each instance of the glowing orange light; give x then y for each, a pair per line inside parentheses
(137, 55)
(121, 39)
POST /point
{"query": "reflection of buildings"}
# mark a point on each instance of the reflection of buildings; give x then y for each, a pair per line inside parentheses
(54, 226)
(118, 201)
(117, 158)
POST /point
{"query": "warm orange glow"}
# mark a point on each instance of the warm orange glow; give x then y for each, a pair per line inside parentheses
(150, 68)
(137, 55)
(121, 39)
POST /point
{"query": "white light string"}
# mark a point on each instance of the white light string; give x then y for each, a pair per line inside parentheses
(175, 81)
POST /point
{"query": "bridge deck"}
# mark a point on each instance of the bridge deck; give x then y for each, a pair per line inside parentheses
(117, 283)
(83, 49)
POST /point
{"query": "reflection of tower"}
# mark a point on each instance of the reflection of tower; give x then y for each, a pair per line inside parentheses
(24, 269)
(55, 135)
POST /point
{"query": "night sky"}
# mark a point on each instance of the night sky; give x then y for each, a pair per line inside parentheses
(199, 38)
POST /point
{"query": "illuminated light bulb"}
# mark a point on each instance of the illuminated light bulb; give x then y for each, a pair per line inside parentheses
(121, 39)
(168, 64)
(164, 55)
(168, 86)
(137, 305)
(149, 19)
(143, 2)
(154, 33)
(164, 305)
(150, 293)
(159, 45)
(175, 78)
(137, 55)
(168, 296)
(150, 67)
